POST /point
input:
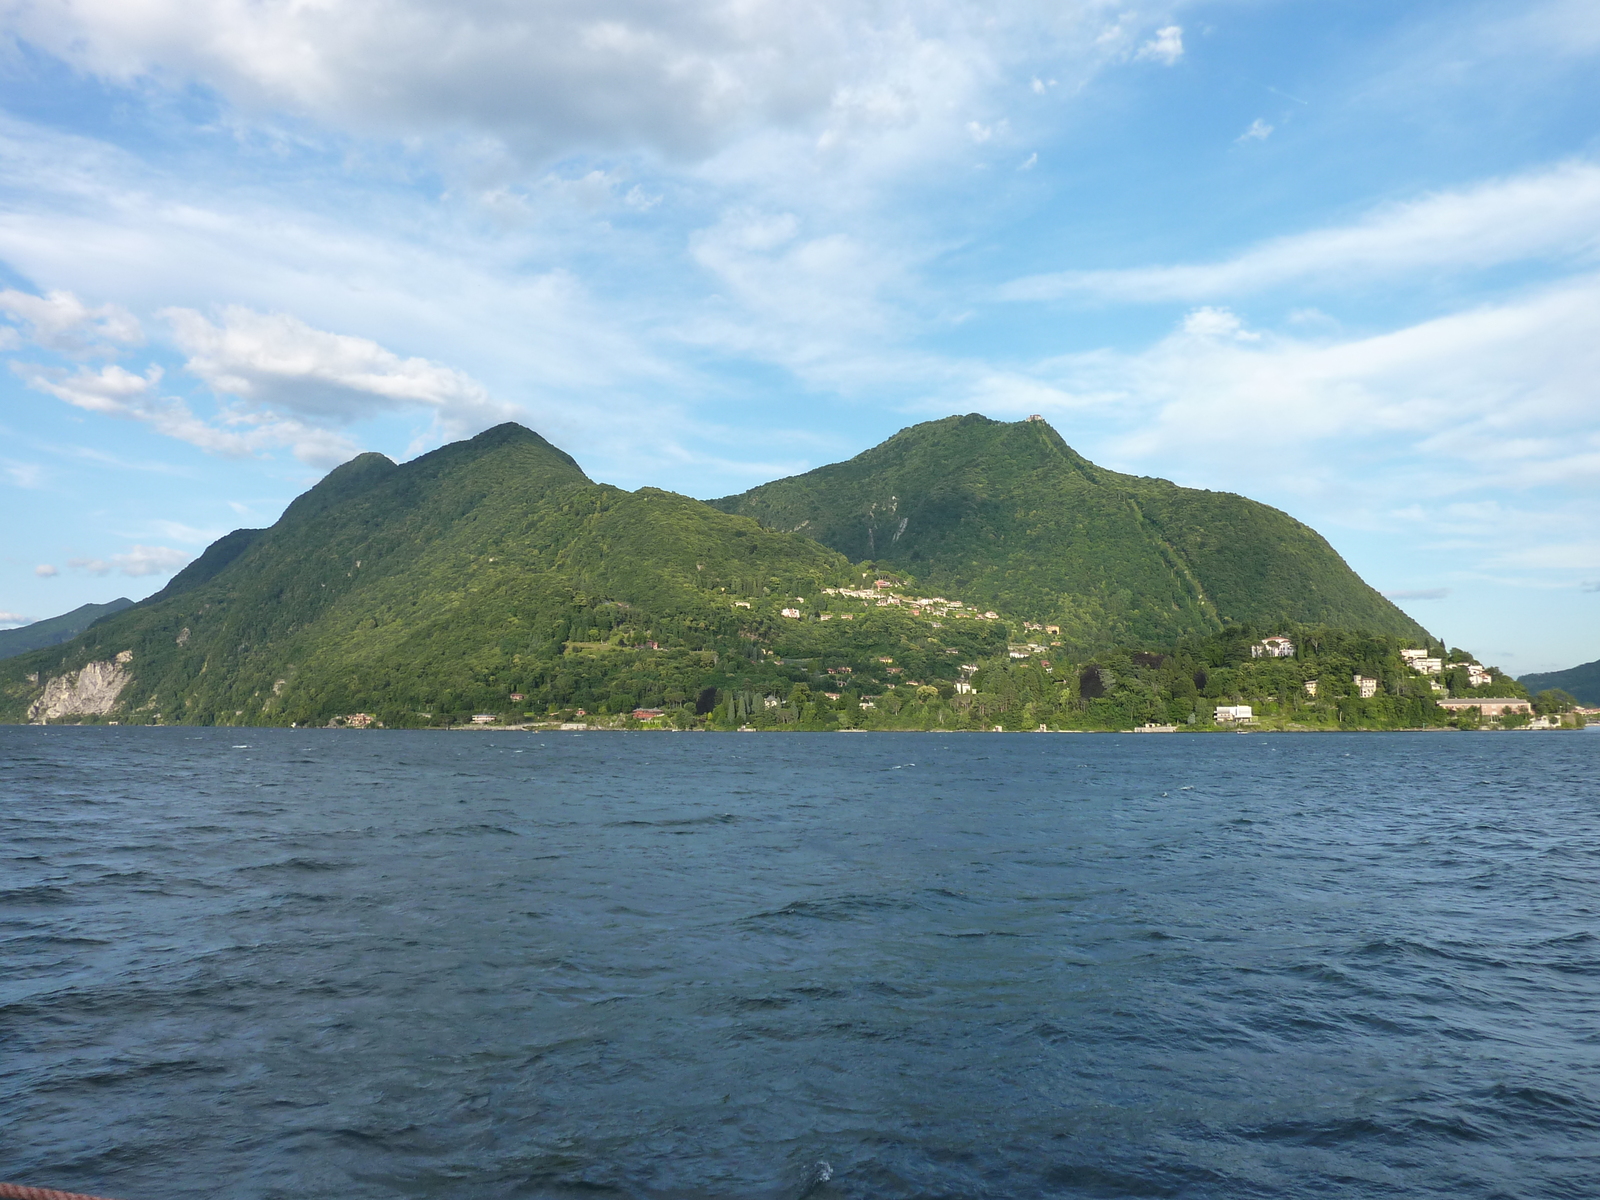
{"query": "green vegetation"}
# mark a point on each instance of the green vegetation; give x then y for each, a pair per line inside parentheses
(1582, 682)
(436, 590)
(1554, 700)
(1181, 685)
(493, 578)
(1009, 515)
(55, 630)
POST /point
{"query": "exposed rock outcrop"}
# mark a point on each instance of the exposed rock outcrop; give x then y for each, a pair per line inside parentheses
(91, 692)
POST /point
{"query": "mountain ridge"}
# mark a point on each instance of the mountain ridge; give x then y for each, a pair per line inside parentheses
(1582, 682)
(51, 631)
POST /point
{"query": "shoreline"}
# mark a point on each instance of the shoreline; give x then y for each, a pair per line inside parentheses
(569, 728)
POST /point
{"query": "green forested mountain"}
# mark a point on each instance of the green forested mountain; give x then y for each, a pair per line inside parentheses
(1581, 682)
(493, 577)
(1008, 513)
(54, 630)
(489, 568)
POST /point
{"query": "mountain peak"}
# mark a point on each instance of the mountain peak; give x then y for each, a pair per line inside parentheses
(1007, 512)
(507, 436)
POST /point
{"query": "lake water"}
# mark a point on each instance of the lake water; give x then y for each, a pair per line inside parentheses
(292, 964)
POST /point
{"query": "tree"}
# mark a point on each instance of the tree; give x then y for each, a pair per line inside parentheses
(1554, 700)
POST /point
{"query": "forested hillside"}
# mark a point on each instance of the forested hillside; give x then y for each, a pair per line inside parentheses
(492, 578)
(1011, 515)
(1582, 682)
(54, 630)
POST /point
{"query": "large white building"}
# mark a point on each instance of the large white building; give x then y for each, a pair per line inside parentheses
(1273, 647)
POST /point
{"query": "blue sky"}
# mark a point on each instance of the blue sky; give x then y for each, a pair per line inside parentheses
(1344, 259)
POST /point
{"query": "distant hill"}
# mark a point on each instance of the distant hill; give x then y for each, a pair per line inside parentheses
(1010, 514)
(54, 630)
(1582, 683)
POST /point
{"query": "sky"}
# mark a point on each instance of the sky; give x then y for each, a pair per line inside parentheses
(1340, 258)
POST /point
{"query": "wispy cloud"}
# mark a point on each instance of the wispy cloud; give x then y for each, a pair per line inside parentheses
(138, 561)
(116, 392)
(1259, 131)
(46, 571)
(11, 618)
(1411, 430)
(22, 474)
(1419, 594)
(1544, 213)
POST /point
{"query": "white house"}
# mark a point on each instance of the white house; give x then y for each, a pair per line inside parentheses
(1235, 712)
(792, 612)
(1273, 647)
(1367, 687)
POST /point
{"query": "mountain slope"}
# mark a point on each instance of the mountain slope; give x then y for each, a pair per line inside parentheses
(1010, 514)
(446, 583)
(1580, 682)
(55, 630)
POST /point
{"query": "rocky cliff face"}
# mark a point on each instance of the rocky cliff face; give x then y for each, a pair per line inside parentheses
(91, 692)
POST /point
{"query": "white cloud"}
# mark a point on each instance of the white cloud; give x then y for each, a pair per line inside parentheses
(46, 571)
(273, 361)
(140, 560)
(61, 322)
(1553, 212)
(282, 383)
(11, 618)
(1259, 131)
(116, 392)
(556, 76)
(1165, 48)
(1210, 322)
(150, 560)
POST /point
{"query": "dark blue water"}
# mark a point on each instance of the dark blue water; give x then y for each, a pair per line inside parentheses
(278, 964)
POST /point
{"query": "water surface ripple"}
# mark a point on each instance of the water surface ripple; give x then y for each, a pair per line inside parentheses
(275, 964)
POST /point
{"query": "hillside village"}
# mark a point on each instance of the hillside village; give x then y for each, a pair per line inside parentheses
(1229, 682)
